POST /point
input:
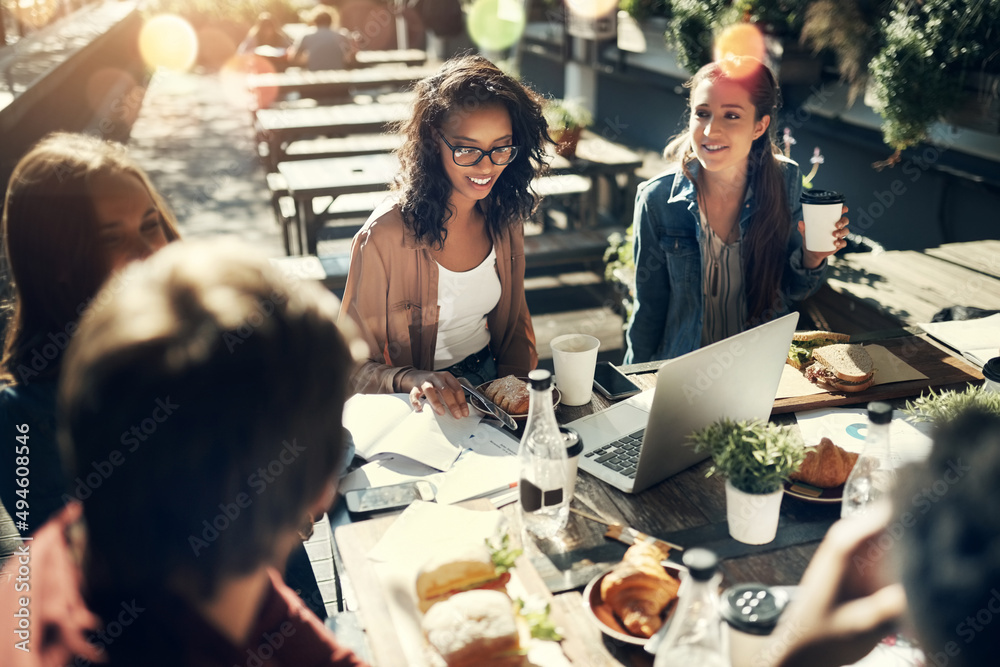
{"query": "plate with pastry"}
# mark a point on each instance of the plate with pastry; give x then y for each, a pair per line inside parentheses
(510, 393)
(823, 473)
(634, 598)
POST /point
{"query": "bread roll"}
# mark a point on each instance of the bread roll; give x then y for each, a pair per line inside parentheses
(825, 466)
(450, 573)
(510, 394)
(474, 628)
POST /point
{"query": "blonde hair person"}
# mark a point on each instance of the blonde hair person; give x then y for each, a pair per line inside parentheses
(77, 210)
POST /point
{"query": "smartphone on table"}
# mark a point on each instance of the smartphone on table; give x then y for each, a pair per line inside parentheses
(364, 502)
(612, 383)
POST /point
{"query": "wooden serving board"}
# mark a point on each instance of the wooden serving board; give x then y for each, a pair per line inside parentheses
(942, 369)
(581, 645)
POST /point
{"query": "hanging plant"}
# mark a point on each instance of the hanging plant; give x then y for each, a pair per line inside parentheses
(919, 73)
(641, 10)
(849, 29)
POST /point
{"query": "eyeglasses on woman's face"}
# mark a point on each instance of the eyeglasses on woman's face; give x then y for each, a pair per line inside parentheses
(469, 156)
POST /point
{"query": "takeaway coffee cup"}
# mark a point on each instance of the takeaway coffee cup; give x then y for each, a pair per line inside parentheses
(821, 209)
(991, 372)
(574, 447)
(574, 357)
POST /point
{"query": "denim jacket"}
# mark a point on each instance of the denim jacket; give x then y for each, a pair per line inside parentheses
(669, 303)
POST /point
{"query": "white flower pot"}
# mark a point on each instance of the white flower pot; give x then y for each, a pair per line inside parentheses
(753, 517)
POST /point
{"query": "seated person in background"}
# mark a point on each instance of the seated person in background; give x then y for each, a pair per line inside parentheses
(241, 378)
(326, 47)
(436, 282)
(265, 32)
(77, 210)
(941, 542)
(716, 246)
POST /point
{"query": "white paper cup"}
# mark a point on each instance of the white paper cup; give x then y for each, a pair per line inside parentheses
(821, 209)
(575, 358)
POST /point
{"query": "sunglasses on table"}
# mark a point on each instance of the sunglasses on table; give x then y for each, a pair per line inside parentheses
(469, 156)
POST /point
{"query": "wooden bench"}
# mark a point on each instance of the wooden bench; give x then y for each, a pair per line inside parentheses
(541, 251)
(344, 207)
(359, 205)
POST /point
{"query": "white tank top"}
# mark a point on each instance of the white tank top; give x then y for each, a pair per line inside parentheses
(464, 299)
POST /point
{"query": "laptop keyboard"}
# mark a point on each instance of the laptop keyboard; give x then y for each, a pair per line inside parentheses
(621, 455)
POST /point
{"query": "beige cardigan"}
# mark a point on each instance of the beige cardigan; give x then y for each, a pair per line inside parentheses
(392, 295)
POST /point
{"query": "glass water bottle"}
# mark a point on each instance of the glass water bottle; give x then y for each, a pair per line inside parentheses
(695, 633)
(874, 474)
(543, 482)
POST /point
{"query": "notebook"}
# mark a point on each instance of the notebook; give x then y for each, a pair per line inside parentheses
(641, 441)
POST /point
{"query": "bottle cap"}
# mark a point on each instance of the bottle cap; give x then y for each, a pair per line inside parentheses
(753, 608)
(701, 563)
(540, 379)
(991, 371)
(879, 412)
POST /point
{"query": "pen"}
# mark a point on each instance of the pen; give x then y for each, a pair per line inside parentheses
(499, 489)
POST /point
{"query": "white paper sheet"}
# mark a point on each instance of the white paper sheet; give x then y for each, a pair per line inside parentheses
(384, 424)
(982, 335)
(847, 428)
(487, 466)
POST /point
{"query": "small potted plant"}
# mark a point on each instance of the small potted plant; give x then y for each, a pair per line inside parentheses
(946, 406)
(567, 119)
(756, 458)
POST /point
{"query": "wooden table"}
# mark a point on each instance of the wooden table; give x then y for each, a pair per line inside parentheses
(408, 57)
(330, 84)
(687, 508)
(910, 286)
(607, 164)
(280, 126)
(332, 177)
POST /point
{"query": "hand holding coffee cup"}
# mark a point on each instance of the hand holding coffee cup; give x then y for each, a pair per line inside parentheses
(823, 226)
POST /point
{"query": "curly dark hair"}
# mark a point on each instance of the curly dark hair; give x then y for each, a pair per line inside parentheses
(466, 84)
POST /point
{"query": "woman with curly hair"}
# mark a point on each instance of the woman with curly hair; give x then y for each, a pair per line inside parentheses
(436, 282)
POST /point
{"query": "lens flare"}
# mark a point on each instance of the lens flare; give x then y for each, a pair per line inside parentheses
(168, 41)
(733, 44)
(591, 8)
(495, 25)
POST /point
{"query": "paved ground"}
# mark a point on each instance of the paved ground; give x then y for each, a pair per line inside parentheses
(194, 138)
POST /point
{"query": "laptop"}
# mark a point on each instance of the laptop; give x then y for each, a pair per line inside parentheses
(643, 440)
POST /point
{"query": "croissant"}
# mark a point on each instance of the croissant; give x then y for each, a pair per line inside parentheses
(510, 394)
(825, 465)
(638, 589)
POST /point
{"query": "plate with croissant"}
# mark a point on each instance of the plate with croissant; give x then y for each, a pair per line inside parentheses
(823, 473)
(632, 600)
(511, 394)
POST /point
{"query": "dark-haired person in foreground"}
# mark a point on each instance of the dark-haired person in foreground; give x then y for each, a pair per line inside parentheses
(436, 282)
(930, 566)
(174, 559)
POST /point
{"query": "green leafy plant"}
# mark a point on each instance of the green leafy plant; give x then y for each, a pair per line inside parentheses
(619, 268)
(539, 622)
(948, 405)
(641, 10)
(503, 555)
(567, 114)
(755, 456)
